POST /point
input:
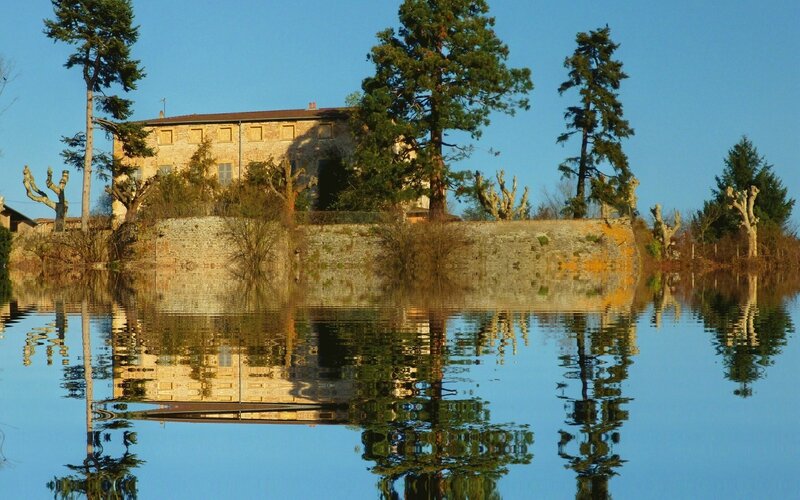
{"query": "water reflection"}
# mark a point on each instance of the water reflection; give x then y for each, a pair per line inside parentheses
(404, 375)
(750, 326)
(384, 370)
(425, 438)
(99, 475)
(596, 366)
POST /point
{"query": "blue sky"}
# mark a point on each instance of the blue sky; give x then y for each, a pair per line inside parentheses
(702, 74)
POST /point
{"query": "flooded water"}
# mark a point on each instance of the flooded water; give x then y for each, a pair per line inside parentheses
(684, 390)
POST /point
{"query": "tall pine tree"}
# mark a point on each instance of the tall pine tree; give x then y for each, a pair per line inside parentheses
(103, 33)
(597, 120)
(444, 70)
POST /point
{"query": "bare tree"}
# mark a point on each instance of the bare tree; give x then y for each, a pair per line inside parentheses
(289, 185)
(743, 202)
(501, 205)
(663, 232)
(36, 194)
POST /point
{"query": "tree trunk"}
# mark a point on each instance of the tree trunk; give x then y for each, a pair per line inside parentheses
(87, 378)
(132, 211)
(87, 161)
(59, 223)
(752, 241)
(580, 195)
(438, 203)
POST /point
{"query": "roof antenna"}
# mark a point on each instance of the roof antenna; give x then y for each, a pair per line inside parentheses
(163, 107)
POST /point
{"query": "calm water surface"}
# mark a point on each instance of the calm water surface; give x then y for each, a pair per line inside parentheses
(685, 392)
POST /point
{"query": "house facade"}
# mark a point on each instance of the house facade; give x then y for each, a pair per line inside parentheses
(311, 138)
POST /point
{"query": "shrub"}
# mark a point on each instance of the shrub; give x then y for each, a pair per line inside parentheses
(420, 253)
(256, 242)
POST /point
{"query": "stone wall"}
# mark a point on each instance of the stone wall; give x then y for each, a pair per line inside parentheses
(585, 265)
(520, 262)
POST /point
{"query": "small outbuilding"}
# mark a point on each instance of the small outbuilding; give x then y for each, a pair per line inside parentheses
(13, 220)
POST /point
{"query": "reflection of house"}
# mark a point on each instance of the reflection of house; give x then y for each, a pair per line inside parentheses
(311, 138)
(10, 313)
(230, 388)
(270, 378)
(13, 220)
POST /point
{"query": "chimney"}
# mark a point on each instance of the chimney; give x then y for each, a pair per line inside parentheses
(312, 105)
(2, 202)
(161, 114)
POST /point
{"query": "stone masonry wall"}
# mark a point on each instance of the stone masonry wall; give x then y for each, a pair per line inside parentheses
(585, 265)
(504, 262)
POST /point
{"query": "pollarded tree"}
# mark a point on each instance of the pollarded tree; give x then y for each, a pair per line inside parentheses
(501, 204)
(597, 119)
(59, 204)
(744, 167)
(103, 33)
(443, 70)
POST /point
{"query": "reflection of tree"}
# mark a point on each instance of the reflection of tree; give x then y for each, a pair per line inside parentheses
(415, 430)
(749, 331)
(600, 362)
(53, 335)
(493, 332)
(663, 287)
(100, 475)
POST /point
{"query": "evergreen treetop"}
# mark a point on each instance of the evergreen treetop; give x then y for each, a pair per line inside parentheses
(597, 119)
(745, 167)
(444, 70)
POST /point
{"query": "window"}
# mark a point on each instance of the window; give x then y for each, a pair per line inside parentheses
(225, 134)
(195, 135)
(325, 131)
(224, 173)
(256, 133)
(165, 169)
(165, 137)
(287, 132)
(225, 356)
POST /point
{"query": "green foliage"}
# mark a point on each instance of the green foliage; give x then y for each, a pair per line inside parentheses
(190, 192)
(543, 239)
(597, 120)
(654, 249)
(593, 238)
(744, 167)
(443, 70)
(251, 196)
(102, 32)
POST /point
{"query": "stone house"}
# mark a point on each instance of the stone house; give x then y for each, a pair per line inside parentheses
(311, 138)
(14, 220)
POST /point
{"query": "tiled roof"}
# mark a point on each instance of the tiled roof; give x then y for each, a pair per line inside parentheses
(253, 116)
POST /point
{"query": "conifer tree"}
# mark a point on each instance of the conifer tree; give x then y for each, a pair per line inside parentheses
(745, 167)
(444, 70)
(597, 120)
(102, 32)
